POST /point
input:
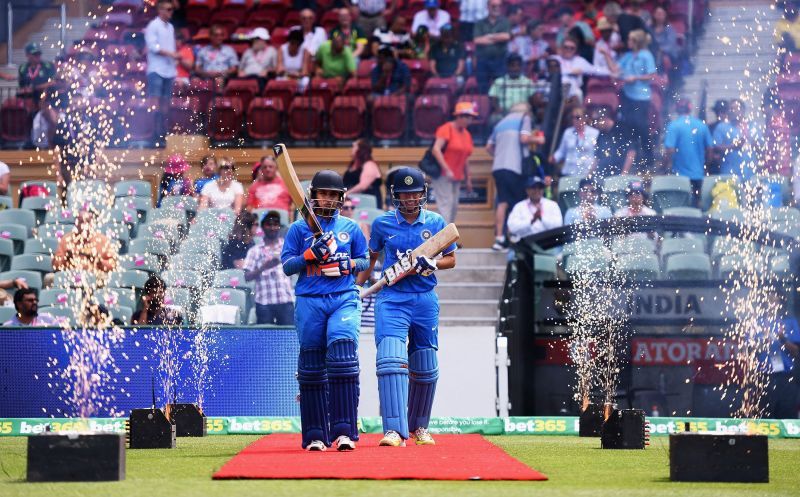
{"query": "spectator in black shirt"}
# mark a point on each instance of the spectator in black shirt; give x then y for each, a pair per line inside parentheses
(390, 76)
(447, 56)
(624, 21)
(35, 75)
(614, 151)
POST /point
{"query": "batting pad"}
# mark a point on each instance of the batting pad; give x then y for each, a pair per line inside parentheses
(342, 362)
(454, 457)
(392, 371)
(424, 372)
(312, 380)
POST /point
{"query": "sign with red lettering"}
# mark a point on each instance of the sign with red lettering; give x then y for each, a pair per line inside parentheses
(680, 351)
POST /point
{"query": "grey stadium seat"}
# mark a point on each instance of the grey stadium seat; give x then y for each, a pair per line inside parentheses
(22, 217)
(696, 266)
(568, 192)
(133, 188)
(639, 267)
(45, 245)
(614, 190)
(363, 201)
(6, 253)
(17, 233)
(670, 191)
(32, 278)
(32, 262)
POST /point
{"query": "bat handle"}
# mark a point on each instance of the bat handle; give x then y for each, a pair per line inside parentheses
(366, 292)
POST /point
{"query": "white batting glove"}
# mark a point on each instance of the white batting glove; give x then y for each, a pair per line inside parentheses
(425, 266)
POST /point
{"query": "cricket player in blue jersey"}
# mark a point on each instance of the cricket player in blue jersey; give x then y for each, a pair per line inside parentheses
(327, 316)
(407, 311)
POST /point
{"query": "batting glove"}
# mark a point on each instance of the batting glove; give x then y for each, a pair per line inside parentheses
(322, 248)
(333, 269)
(425, 266)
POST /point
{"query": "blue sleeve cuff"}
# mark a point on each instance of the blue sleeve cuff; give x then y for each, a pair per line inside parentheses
(294, 265)
(362, 264)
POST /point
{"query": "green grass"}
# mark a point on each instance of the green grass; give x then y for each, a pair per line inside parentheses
(576, 467)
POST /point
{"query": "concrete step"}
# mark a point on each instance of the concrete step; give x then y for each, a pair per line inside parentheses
(468, 308)
(445, 322)
(453, 291)
(473, 274)
(482, 257)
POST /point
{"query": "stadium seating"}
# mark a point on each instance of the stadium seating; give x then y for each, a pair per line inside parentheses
(389, 117)
(183, 278)
(670, 191)
(641, 267)
(74, 279)
(141, 262)
(6, 253)
(20, 217)
(673, 246)
(32, 262)
(133, 188)
(15, 123)
(17, 233)
(32, 278)
(430, 112)
(225, 119)
(568, 187)
(367, 215)
(614, 190)
(683, 212)
(265, 118)
(243, 89)
(348, 117)
(6, 202)
(306, 118)
(53, 297)
(545, 268)
(39, 206)
(688, 266)
(115, 297)
(632, 244)
(6, 314)
(184, 116)
(64, 315)
(363, 201)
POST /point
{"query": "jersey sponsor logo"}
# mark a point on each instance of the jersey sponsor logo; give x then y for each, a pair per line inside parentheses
(347, 318)
(426, 234)
(343, 237)
(390, 237)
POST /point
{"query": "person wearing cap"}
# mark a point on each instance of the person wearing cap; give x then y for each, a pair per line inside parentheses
(447, 56)
(576, 151)
(421, 43)
(637, 198)
(35, 75)
(451, 149)
(687, 143)
(390, 76)
(492, 35)
(268, 191)
(162, 56)
(353, 36)
(603, 45)
(587, 209)
(431, 17)
(225, 191)
(174, 181)
(335, 59)
(260, 60)
(273, 293)
(513, 88)
(534, 214)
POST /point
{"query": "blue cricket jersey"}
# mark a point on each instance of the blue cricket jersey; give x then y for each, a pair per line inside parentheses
(394, 235)
(351, 243)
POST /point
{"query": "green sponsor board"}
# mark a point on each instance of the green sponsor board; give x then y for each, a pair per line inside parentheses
(534, 425)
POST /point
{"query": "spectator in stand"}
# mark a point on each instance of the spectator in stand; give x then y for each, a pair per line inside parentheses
(354, 37)
(787, 29)
(208, 170)
(687, 144)
(390, 76)
(636, 8)
(5, 178)
(587, 209)
(162, 57)
(534, 214)
(216, 61)
(576, 30)
(625, 22)
(26, 302)
(637, 69)
(422, 43)
(43, 128)
(470, 13)
(637, 197)
(491, 45)
(589, 13)
(531, 47)
(735, 140)
(363, 175)
(372, 14)
(224, 191)
(574, 68)
(313, 36)
(454, 159)
(183, 71)
(348, 209)
(777, 140)
(239, 241)
(293, 61)
(669, 48)
(513, 88)
(260, 61)
(780, 361)
(714, 156)
(35, 75)
(516, 19)
(603, 46)
(508, 144)
(153, 311)
(15, 283)
(268, 190)
(432, 17)
(447, 56)
(720, 109)
(85, 248)
(614, 153)
(274, 296)
(396, 37)
(576, 152)
(174, 181)
(335, 59)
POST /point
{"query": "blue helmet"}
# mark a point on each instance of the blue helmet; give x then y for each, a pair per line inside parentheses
(408, 180)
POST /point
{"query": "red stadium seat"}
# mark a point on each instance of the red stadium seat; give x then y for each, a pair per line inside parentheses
(330, 19)
(142, 114)
(237, 10)
(442, 86)
(471, 86)
(202, 89)
(227, 20)
(478, 128)
(184, 116)
(245, 89)
(278, 36)
(15, 122)
(327, 89)
(225, 119)
(276, 8)
(430, 112)
(364, 69)
(348, 113)
(357, 87)
(262, 18)
(292, 18)
(420, 70)
(601, 91)
(389, 117)
(198, 12)
(265, 118)
(282, 89)
(306, 118)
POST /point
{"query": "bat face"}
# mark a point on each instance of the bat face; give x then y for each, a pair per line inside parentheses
(287, 172)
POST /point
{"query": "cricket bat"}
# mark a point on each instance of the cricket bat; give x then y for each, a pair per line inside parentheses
(286, 170)
(432, 247)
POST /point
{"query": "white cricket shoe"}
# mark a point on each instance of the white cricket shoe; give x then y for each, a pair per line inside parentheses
(344, 443)
(392, 439)
(423, 437)
(316, 446)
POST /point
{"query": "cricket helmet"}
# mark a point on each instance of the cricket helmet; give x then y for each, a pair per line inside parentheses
(409, 180)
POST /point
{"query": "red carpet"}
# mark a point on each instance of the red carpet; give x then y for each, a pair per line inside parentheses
(454, 457)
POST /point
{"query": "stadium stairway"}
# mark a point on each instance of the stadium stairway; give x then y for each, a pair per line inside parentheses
(734, 52)
(469, 293)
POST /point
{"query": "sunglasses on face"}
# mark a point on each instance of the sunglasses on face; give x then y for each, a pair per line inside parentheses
(347, 208)
(570, 47)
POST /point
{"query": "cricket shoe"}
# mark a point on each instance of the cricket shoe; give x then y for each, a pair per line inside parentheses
(316, 446)
(392, 439)
(423, 437)
(344, 443)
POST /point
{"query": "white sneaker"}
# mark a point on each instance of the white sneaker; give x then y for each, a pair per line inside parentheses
(392, 439)
(316, 446)
(344, 443)
(423, 437)
(499, 244)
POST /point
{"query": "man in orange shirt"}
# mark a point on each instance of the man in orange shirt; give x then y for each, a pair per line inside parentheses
(452, 149)
(268, 190)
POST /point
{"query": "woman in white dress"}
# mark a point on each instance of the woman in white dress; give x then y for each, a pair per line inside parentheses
(224, 191)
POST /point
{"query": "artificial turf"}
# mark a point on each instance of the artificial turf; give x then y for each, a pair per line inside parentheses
(575, 466)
